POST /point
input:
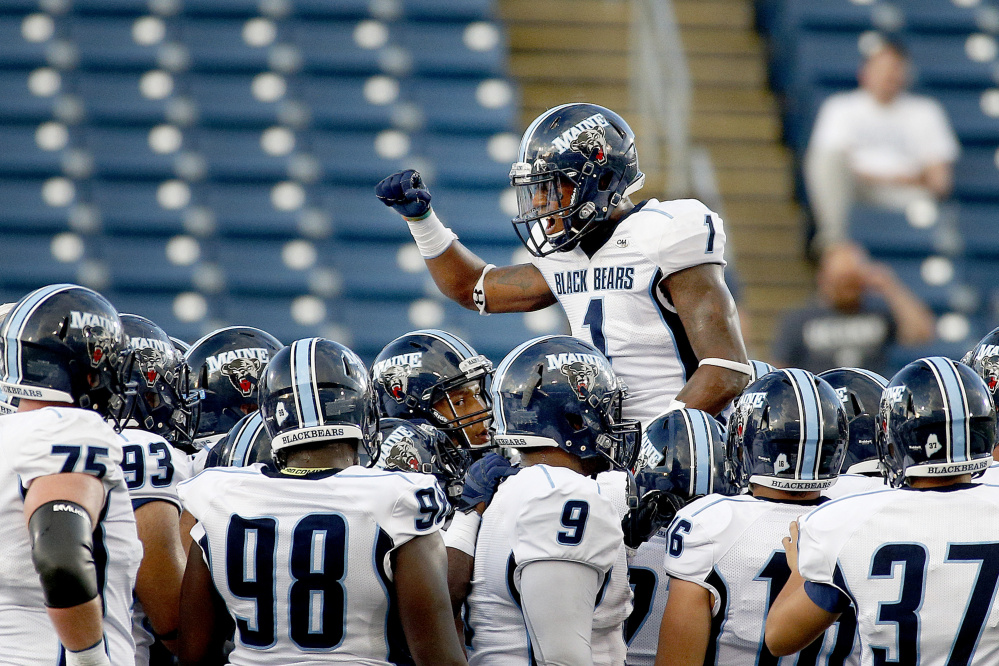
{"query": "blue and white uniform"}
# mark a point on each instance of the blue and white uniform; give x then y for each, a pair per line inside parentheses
(731, 546)
(152, 470)
(613, 300)
(41, 443)
(313, 580)
(920, 567)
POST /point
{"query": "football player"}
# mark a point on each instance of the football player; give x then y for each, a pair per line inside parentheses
(70, 548)
(324, 560)
(690, 464)
(247, 443)
(435, 377)
(723, 555)
(549, 537)
(643, 282)
(984, 359)
(423, 449)
(159, 411)
(919, 566)
(860, 392)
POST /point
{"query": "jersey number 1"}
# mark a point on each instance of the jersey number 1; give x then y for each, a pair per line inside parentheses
(594, 320)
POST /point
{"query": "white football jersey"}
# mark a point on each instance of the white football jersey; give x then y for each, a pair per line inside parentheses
(40, 443)
(920, 567)
(650, 585)
(542, 513)
(853, 484)
(152, 470)
(991, 474)
(732, 547)
(612, 300)
(607, 641)
(314, 577)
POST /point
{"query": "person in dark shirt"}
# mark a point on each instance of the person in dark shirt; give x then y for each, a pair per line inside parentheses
(860, 309)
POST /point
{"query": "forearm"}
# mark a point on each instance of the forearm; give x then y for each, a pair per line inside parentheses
(455, 272)
(162, 569)
(939, 179)
(794, 621)
(712, 389)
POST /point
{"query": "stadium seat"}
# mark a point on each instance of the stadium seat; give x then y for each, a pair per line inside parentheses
(382, 271)
(126, 153)
(160, 308)
(373, 324)
(273, 315)
(24, 210)
(966, 110)
(358, 215)
(976, 175)
(339, 102)
(889, 233)
(943, 60)
(105, 43)
(351, 158)
(227, 100)
(133, 209)
(941, 295)
(450, 105)
(237, 155)
(452, 53)
(142, 264)
(464, 161)
(15, 50)
(18, 104)
(249, 211)
(27, 262)
(115, 98)
(495, 335)
(258, 267)
(217, 45)
(448, 10)
(21, 156)
(330, 47)
(977, 224)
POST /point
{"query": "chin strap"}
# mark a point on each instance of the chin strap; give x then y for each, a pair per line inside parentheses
(735, 366)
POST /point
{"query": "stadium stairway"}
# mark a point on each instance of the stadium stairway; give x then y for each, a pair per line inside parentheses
(577, 50)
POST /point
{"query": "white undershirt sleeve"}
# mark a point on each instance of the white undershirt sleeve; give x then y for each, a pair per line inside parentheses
(557, 597)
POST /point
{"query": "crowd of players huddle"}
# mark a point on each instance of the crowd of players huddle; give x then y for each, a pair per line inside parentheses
(316, 490)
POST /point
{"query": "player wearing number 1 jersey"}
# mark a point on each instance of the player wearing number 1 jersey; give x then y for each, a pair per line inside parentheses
(920, 565)
(323, 561)
(634, 279)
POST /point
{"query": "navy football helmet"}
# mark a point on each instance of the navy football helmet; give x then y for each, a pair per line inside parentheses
(860, 392)
(422, 448)
(247, 443)
(984, 359)
(316, 391)
(559, 391)
(936, 419)
(226, 366)
(577, 162)
(418, 373)
(758, 369)
(789, 432)
(683, 453)
(160, 398)
(64, 343)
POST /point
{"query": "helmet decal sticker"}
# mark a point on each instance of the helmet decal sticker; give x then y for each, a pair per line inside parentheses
(581, 376)
(592, 144)
(240, 371)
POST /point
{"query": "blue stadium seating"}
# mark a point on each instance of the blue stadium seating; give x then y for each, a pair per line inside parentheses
(351, 158)
(463, 112)
(215, 45)
(25, 211)
(241, 210)
(257, 267)
(20, 155)
(463, 161)
(237, 155)
(889, 233)
(18, 104)
(132, 208)
(338, 102)
(126, 153)
(115, 98)
(141, 264)
(15, 51)
(160, 309)
(227, 100)
(104, 43)
(976, 175)
(26, 262)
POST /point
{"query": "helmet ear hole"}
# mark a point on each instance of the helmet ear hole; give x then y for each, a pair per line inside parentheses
(575, 421)
(605, 181)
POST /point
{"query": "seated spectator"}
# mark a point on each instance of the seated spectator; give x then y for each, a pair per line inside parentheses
(878, 144)
(861, 308)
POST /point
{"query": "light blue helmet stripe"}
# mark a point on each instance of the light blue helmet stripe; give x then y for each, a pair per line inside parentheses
(526, 140)
(459, 345)
(701, 466)
(244, 439)
(760, 368)
(955, 407)
(811, 427)
(499, 419)
(14, 325)
(872, 375)
(301, 372)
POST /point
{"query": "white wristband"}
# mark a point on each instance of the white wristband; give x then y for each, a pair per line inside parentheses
(462, 532)
(93, 656)
(479, 293)
(430, 234)
(744, 368)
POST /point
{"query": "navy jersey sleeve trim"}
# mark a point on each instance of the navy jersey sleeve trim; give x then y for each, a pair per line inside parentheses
(827, 597)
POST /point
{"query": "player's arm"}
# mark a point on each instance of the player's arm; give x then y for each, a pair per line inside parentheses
(420, 567)
(161, 572)
(454, 268)
(557, 598)
(204, 622)
(686, 625)
(61, 511)
(795, 620)
(709, 316)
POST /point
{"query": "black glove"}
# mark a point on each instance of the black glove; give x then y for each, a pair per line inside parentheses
(482, 479)
(405, 192)
(655, 509)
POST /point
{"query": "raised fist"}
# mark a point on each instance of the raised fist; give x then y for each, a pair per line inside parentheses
(405, 193)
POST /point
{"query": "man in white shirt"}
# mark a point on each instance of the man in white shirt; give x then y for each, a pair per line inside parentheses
(878, 144)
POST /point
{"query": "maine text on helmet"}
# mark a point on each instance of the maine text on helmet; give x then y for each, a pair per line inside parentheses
(562, 142)
(556, 361)
(151, 343)
(216, 362)
(81, 320)
(413, 360)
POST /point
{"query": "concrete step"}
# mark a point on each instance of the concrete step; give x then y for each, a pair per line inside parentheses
(734, 71)
(784, 215)
(732, 14)
(721, 41)
(558, 13)
(570, 38)
(740, 155)
(536, 67)
(755, 270)
(774, 300)
(747, 127)
(730, 99)
(755, 184)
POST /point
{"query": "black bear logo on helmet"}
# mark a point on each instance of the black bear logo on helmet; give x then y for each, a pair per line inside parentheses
(403, 456)
(592, 143)
(240, 371)
(395, 379)
(581, 377)
(150, 362)
(99, 342)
